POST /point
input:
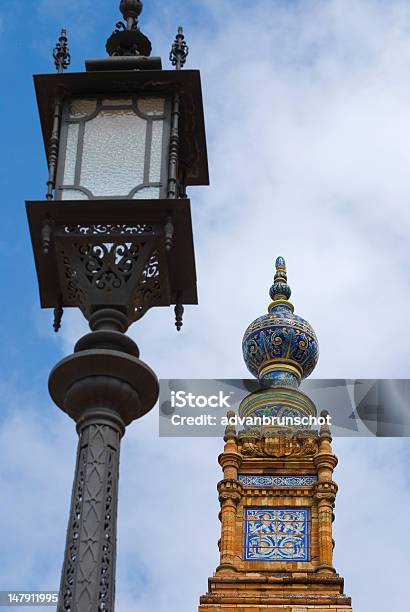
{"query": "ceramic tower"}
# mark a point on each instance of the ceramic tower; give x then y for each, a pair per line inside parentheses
(277, 494)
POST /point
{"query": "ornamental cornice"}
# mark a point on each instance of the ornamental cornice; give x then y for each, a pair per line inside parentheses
(279, 442)
(235, 497)
(230, 489)
(230, 459)
(323, 459)
(287, 598)
(325, 490)
(279, 492)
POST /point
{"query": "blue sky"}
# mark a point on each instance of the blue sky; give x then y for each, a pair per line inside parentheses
(308, 120)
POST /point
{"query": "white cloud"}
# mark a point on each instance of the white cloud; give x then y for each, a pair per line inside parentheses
(37, 454)
(308, 120)
(371, 511)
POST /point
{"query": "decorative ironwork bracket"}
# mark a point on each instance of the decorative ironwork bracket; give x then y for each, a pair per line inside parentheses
(113, 254)
(110, 266)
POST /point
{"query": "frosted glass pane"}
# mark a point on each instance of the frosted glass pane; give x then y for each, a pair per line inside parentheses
(117, 102)
(147, 193)
(73, 194)
(114, 153)
(82, 108)
(151, 106)
(71, 154)
(156, 152)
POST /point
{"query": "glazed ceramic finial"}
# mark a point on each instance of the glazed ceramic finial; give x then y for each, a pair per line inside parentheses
(280, 290)
(280, 347)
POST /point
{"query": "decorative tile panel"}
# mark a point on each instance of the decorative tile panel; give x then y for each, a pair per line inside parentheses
(276, 534)
(258, 480)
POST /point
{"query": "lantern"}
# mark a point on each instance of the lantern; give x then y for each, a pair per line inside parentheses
(124, 140)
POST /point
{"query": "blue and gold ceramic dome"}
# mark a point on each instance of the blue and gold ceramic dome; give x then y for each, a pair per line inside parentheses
(280, 348)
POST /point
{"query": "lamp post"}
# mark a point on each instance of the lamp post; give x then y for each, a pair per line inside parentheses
(114, 238)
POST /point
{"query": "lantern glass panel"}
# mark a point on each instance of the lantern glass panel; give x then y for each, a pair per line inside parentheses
(105, 170)
(71, 154)
(74, 194)
(147, 193)
(156, 152)
(114, 148)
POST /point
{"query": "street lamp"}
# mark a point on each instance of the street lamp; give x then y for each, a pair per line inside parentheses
(114, 238)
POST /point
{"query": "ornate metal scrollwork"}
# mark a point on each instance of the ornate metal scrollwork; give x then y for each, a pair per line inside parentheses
(117, 265)
(106, 266)
(149, 287)
(74, 292)
(121, 228)
(179, 50)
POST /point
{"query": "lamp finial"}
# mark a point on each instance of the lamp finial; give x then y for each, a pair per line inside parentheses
(179, 50)
(127, 39)
(131, 10)
(61, 52)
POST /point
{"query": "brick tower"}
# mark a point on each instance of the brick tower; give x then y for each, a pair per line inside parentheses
(277, 494)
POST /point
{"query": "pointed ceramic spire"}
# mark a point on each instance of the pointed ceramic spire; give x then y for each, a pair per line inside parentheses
(280, 291)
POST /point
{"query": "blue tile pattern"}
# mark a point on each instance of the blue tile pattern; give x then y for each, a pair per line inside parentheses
(276, 534)
(258, 480)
